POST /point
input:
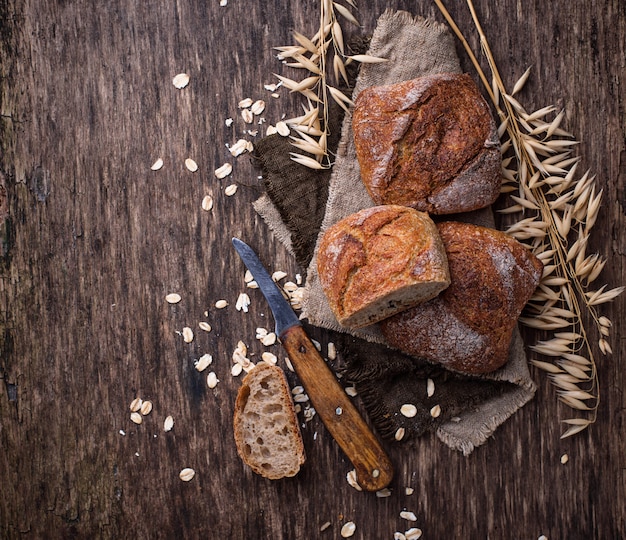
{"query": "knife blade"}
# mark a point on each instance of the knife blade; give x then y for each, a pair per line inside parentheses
(373, 467)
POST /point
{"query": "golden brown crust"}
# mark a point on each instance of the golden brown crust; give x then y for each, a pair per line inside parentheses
(468, 327)
(379, 261)
(428, 143)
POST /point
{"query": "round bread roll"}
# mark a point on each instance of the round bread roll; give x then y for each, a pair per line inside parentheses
(468, 327)
(428, 143)
(380, 261)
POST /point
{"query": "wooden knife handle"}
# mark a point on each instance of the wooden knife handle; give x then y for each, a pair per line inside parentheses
(342, 419)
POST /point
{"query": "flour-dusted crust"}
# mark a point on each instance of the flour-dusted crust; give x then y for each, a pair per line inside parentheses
(468, 327)
(429, 143)
(379, 261)
(267, 434)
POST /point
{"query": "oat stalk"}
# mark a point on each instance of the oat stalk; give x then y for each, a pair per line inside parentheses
(540, 173)
(316, 55)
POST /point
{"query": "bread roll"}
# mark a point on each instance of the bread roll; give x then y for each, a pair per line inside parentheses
(267, 434)
(380, 261)
(468, 327)
(428, 143)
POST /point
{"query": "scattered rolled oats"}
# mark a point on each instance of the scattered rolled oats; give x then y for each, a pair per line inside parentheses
(223, 171)
(146, 408)
(270, 130)
(157, 164)
(351, 478)
(348, 529)
(413, 533)
(204, 362)
(248, 277)
(245, 103)
(187, 474)
(168, 424)
(212, 379)
(409, 491)
(383, 493)
(135, 404)
(269, 339)
(243, 303)
(252, 285)
(297, 390)
(261, 332)
(351, 391)
(409, 516)
(282, 129)
(325, 526)
(230, 190)
(173, 298)
(247, 116)
(257, 107)
(271, 87)
(290, 286)
(289, 364)
(408, 410)
(181, 80)
(236, 370)
(136, 417)
(430, 387)
(435, 411)
(187, 334)
(204, 326)
(191, 165)
(301, 398)
(207, 203)
(564, 459)
(317, 345)
(399, 435)
(278, 275)
(269, 358)
(398, 536)
(221, 304)
(240, 147)
(228, 122)
(332, 351)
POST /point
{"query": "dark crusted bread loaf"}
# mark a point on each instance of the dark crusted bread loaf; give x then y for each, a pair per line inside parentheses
(379, 261)
(267, 434)
(428, 143)
(468, 327)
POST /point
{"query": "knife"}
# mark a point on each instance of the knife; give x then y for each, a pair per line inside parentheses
(340, 416)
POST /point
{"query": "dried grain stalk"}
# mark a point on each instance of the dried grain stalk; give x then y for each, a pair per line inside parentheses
(540, 168)
(320, 55)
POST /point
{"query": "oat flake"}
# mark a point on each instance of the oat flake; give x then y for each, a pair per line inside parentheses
(408, 410)
(348, 529)
(221, 304)
(173, 298)
(181, 80)
(168, 424)
(157, 164)
(191, 165)
(136, 417)
(204, 362)
(146, 408)
(212, 379)
(224, 170)
(187, 474)
(230, 190)
(204, 326)
(135, 404)
(282, 129)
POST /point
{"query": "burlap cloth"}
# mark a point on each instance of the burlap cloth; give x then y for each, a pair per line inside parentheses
(300, 203)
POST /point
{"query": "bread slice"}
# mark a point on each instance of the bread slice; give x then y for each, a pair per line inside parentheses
(380, 261)
(266, 428)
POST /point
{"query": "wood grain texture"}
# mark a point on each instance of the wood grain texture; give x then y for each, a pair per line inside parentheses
(93, 240)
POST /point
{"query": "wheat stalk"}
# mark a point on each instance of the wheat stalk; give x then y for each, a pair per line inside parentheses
(315, 55)
(539, 165)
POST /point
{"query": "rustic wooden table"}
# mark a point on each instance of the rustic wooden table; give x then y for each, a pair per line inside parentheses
(93, 240)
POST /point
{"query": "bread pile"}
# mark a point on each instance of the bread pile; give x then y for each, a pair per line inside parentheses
(448, 292)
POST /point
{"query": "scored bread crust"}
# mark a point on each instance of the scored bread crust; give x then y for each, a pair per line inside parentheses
(379, 261)
(267, 434)
(468, 327)
(429, 143)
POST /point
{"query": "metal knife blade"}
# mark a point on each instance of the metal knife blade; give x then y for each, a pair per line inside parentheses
(284, 316)
(339, 414)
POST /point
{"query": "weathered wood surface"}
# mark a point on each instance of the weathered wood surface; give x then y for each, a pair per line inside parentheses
(94, 240)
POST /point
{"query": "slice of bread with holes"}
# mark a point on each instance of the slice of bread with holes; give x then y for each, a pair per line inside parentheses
(266, 428)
